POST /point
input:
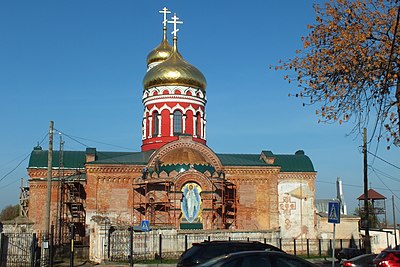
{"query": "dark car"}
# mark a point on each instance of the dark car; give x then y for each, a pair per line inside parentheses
(348, 253)
(202, 252)
(257, 259)
(364, 260)
(388, 258)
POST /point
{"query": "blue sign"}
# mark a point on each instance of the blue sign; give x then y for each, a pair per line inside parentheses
(145, 226)
(333, 212)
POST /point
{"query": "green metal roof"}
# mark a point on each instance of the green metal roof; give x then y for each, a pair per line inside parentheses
(294, 163)
(297, 162)
(71, 159)
(77, 159)
(241, 160)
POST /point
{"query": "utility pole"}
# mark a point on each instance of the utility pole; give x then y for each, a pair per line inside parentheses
(45, 253)
(394, 223)
(61, 190)
(367, 240)
(49, 177)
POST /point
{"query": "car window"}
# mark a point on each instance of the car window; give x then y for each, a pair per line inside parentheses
(212, 251)
(249, 261)
(290, 262)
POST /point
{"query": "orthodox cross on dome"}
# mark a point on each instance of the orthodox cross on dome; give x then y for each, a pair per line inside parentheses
(175, 21)
(165, 11)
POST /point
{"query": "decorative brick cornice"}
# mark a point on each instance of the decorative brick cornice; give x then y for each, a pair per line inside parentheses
(251, 170)
(107, 168)
(290, 176)
(42, 172)
(108, 179)
(42, 184)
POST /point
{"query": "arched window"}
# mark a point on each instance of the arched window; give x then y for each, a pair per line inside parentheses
(198, 124)
(177, 121)
(156, 124)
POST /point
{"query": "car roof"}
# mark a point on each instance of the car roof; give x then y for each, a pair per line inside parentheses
(222, 242)
(253, 252)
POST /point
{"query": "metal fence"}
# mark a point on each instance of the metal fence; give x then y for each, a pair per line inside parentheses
(122, 245)
(18, 249)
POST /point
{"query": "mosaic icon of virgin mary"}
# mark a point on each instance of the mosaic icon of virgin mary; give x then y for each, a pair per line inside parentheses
(191, 202)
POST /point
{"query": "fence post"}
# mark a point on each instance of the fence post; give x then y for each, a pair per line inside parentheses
(51, 245)
(229, 238)
(1, 248)
(265, 240)
(109, 244)
(248, 239)
(308, 248)
(294, 246)
(320, 247)
(160, 246)
(72, 251)
(33, 250)
(280, 243)
(130, 246)
(186, 244)
(341, 243)
(209, 238)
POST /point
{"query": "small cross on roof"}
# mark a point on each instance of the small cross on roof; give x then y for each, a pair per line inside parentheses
(175, 21)
(165, 11)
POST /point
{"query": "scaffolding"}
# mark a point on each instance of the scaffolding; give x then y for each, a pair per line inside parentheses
(23, 199)
(159, 201)
(156, 202)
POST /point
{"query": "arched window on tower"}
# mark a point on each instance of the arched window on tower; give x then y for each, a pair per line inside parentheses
(156, 124)
(177, 121)
(198, 123)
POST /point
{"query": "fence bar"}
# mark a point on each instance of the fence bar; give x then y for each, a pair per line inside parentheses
(1, 248)
(131, 246)
(109, 244)
(308, 248)
(294, 246)
(33, 250)
(265, 240)
(186, 243)
(160, 246)
(51, 243)
(320, 247)
(341, 243)
(209, 238)
(72, 238)
(280, 243)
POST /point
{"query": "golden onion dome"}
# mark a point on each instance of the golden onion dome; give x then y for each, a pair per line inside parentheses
(175, 71)
(161, 53)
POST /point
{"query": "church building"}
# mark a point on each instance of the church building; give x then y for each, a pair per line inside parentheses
(175, 180)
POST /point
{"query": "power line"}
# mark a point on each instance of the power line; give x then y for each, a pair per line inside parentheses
(4, 186)
(387, 188)
(7, 174)
(352, 185)
(74, 138)
(85, 145)
(387, 162)
(385, 174)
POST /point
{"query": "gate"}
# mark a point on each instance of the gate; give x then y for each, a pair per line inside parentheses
(18, 249)
(118, 246)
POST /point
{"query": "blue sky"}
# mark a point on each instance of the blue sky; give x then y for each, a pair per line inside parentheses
(81, 64)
